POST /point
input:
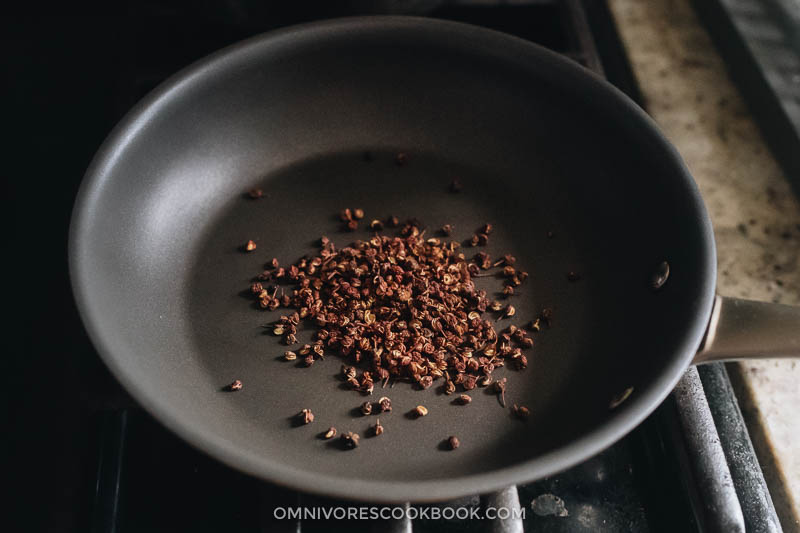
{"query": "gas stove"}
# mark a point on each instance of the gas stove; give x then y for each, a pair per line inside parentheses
(689, 467)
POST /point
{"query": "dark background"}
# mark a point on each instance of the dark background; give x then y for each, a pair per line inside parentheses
(57, 82)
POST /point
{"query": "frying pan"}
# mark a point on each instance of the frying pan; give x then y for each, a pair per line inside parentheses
(539, 144)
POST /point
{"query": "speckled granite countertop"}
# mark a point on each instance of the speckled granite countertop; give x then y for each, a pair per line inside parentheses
(755, 214)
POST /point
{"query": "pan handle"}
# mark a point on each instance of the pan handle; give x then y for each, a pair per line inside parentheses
(746, 329)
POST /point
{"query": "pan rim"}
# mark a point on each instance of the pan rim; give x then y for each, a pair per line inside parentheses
(559, 70)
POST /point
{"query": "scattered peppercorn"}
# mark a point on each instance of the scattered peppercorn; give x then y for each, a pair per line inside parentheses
(519, 361)
(366, 408)
(522, 412)
(464, 399)
(255, 194)
(385, 404)
(350, 440)
(453, 442)
(509, 311)
(306, 416)
(403, 308)
(483, 260)
(348, 372)
(500, 389)
(236, 385)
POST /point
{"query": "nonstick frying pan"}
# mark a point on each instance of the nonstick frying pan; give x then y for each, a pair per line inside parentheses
(539, 144)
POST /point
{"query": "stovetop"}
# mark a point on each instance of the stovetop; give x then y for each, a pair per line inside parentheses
(94, 461)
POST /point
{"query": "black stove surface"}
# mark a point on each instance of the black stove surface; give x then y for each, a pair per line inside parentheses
(168, 486)
(83, 456)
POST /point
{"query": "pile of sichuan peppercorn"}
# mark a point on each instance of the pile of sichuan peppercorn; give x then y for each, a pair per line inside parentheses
(401, 307)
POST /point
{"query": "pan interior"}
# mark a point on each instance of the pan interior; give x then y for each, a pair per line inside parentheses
(535, 153)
